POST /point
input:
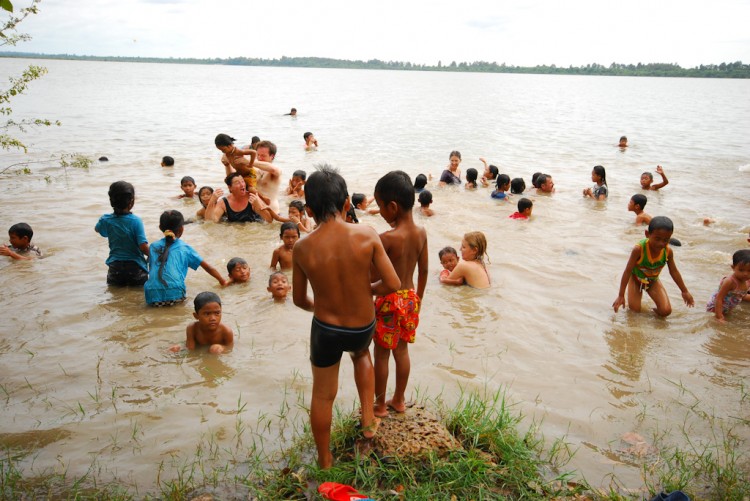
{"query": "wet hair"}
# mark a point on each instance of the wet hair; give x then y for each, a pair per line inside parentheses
(535, 179)
(300, 174)
(477, 241)
(275, 273)
(325, 192)
(420, 182)
(121, 195)
(254, 140)
(396, 187)
(625, 138)
(425, 198)
(541, 180)
(639, 200)
(352, 214)
(293, 110)
(232, 263)
(660, 223)
(187, 179)
(230, 177)
(168, 161)
(517, 185)
(524, 204)
(224, 140)
(267, 144)
(502, 180)
(650, 175)
(306, 135)
(599, 171)
(494, 171)
(299, 205)
(447, 250)
(21, 230)
(204, 298)
(741, 257)
(288, 226)
(471, 175)
(455, 153)
(170, 221)
(200, 192)
(358, 198)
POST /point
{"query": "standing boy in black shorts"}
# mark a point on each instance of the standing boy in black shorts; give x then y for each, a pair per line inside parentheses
(336, 259)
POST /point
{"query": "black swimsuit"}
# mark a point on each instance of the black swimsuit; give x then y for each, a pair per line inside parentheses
(246, 215)
(328, 342)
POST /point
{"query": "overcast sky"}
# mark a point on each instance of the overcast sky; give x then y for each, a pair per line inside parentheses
(518, 32)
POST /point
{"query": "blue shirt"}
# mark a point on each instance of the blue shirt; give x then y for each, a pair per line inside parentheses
(181, 257)
(125, 233)
(499, 195)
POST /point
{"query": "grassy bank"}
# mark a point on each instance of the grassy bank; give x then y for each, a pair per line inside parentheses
(495, 460)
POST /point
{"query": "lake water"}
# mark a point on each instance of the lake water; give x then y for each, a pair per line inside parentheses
(86, 376)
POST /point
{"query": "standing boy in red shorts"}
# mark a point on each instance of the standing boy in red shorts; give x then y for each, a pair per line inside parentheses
(336, 259)
(397, 314)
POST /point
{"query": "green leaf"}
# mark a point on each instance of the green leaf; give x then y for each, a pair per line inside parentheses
(6, 5)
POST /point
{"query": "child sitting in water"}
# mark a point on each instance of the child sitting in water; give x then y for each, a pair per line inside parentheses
(425, 200)
(19, 245)
(525, 207)
(636, 204)
(623, 142)
(647, 179)
(296, 186)
(502, 185)
(167, 161)
(599, 191)
(311, 144)
(282, 256)
(204, 195)
(238, 270)
(187, 184)
(449, 259)
(734, 288)
(471, 179)
(297, 216)
(278, 286)
(208, 329)
(419, 183)
(517, 186)
(127, 238)
(490, 173)
(471, 270)
(169, 260)
(646, 261)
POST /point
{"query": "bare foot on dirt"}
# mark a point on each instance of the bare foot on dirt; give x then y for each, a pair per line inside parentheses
(399, 407)
(380, 410)
(370, 431)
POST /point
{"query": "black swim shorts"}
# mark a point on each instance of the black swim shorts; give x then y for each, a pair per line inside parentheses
(328, 342)
(123, 273)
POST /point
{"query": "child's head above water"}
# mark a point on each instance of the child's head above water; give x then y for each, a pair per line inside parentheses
(289, 234)
(473, 246)
(623, 142)
(326, 193)
(535, 179)
(659, 232)
(278, 285)
(396, 187)
(517, 185)
(492, 172)
(297, 209)
(203, 299)
(502, 183)
(121, 197)
(525, 206)
(425, 198)
(20, 235)
(598, 174)
(448, 258)
(646, 179)
(238, 270)
(741, 257)
(471, 176)
(223, 140)
(420, 182)
(167, 161)
(204, 195)
(187, 184)
(637, 202)
(358, 199)
(299, 174)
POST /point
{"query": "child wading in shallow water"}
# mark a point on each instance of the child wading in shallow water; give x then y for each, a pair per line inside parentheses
(208, 330)
(336, 259)
(734, 288)
(471, 269)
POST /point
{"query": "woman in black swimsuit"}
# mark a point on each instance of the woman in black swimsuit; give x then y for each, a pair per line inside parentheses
(238, 206)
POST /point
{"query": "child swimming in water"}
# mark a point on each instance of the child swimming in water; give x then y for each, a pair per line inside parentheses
(471, 178)
(127, 238)
(734, 288)
(449, 259)
(20, 246)
(501, 186)
(599, 191)
(525, 206)
(425, 200)
(647, 179)
(239, 271)
(169, 261)
(471, 270)
(282, 256)
(636, 204)
(187, 184)
(646, 261)
(490, 173)
(278, 286)
(208, 329)
(204, 196)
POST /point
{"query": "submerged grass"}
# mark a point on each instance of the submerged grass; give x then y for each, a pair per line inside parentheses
(496, 461)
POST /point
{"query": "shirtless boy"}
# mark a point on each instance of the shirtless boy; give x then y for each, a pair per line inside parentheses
(397, 313)
(636, 204)
(208, 330)
(336, 259)
(647, 180)
(270, 175)
(278, 286)
(282, 256)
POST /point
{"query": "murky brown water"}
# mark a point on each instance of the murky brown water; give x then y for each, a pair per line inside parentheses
(84, 369)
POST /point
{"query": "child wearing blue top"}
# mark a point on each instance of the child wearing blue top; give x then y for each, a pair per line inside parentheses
(169, 261)
(502, 185)
(127, 239)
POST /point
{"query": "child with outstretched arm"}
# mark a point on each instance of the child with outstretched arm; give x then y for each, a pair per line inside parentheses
(336, 259)
(397, 313)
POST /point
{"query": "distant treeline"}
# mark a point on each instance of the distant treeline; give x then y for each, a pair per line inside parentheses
(723, 70)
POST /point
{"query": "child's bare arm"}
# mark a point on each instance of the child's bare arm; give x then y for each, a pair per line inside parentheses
(456, 277)
(275, 259)
(635, 255)
(422, 262)
(190, 336)
(675, 273)
(260, 207)
(664, 180)
(212, 271)
(5, 251)
(228, 337)
(144, 248)
(726, 286)
(299, 286)
(214, 209)
(389, 281)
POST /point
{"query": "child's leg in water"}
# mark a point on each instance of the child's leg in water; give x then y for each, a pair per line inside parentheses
(634, 294)
(659, 294)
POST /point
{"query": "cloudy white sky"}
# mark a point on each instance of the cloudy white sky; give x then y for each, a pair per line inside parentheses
(519, 32)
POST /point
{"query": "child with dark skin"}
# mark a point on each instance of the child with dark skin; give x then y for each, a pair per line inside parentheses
(398, 313)
(636, 204)
(239, 271)
(641, 273)
(208, 330)
(278, 286)
(335, 259)
(282, 256)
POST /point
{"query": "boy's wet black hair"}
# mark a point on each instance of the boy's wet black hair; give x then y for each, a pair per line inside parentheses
(517, 185)
(502, 180)
(224, 140)
(121, 194)
(22, 230)
(425, 198)
(300, 174)
(232, 263)
(535, 179)
(396, 187)
(204, 298)
(299, 205)
(660, 223)
(358, 198)
(639, 200)
(650, 175)
(524, 204)
(471, 175)
(351, 216)
(325, 192)
(306, 135)
(167, 160)
(741, 257)
(288, 226)
(187, 179)
(420, 182)
(447, 250)
(270, 277)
